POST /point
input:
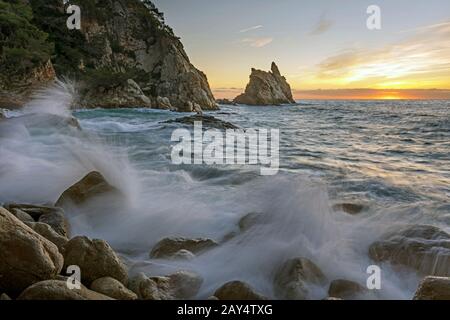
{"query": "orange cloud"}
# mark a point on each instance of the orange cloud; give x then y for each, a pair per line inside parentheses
(422, 61)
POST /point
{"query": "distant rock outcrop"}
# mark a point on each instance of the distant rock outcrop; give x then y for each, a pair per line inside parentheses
(266, 88)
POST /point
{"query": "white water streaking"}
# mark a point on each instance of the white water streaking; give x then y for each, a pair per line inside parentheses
(391, 156)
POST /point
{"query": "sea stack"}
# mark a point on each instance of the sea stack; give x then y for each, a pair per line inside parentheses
(266, 88)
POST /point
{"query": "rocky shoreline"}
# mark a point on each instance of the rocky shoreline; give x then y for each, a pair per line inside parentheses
(37, 249)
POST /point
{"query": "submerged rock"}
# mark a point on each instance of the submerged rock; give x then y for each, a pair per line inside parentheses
(293, 279)
(181, 285)
(183, 255)
(237, 290)
(346, 289)
(249, 220)
(207, 122)
(25, 256)
(423, 248)
(168, 247)
(350, 208)
(226, 102)
(58, 290)
(112, 288)
(266, 88)
(95, 258)
(92, 185)
(433, 288)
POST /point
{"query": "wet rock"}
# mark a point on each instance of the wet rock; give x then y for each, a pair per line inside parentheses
(293, 279)
(181, 285)
(207, 122)
(127, 94)
(345, 289)
(433, 288)
(423, 248)
(184, 284)
(237, 290)
(53, 216)
(163, 103)
(350, 208)
(145, 288)
(92, 185)
(266, 88)
(21, 215)
(183, 255)
(58, 290)
(25, 256)
(49, 233)
(57, 221)
(95, 258)
(112, 288)
(167, 247)
(249, 221)
(35, 211)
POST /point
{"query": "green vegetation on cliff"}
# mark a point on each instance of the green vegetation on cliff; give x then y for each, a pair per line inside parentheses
(23, 46)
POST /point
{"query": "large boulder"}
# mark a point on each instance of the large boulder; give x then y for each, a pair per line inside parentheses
(178, 286)
(237, 290)
(25, 256)
(58, 290)
(168, 247)
(95, 258)
(266, 88)
(295, 277)
(112, 288)
(92, 185)
(433, 288)
(423, 248)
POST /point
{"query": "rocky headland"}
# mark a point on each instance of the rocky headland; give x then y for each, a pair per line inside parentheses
(124, 56)
(266, 88)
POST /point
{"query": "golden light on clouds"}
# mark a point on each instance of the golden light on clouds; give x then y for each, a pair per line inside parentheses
(421, 61)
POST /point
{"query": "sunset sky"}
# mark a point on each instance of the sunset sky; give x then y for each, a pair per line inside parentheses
(319, 44)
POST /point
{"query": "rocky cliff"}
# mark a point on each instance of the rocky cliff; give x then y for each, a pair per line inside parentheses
(123, 56)
(266, 88)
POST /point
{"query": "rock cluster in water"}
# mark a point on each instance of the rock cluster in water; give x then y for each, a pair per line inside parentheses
(266, 88)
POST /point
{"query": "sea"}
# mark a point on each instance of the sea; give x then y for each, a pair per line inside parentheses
(390, 156)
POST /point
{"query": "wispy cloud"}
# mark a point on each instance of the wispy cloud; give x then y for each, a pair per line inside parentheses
(258, 42)
(251, 28)
(422, 57)
(323, 25)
